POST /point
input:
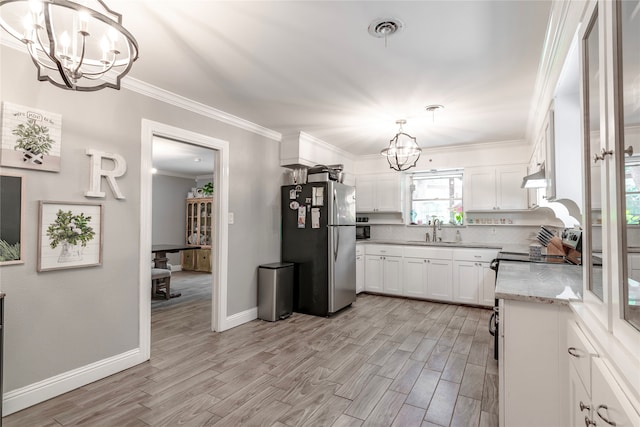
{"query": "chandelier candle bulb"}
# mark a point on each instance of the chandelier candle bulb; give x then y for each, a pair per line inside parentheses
(83, 18)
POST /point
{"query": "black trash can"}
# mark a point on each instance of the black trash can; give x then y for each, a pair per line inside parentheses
(275, 291)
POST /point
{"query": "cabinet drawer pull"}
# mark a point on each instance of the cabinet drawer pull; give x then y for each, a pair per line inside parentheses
(572, 351)
(588, 422)
(605, 418)
(583, 407)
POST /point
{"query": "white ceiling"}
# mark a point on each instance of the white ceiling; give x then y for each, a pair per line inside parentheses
(312, 66)
(182, 159)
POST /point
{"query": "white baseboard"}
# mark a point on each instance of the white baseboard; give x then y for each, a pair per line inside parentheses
(240, 318)
(19, 399)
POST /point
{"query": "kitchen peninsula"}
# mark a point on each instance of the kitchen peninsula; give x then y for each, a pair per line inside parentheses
(533, 312)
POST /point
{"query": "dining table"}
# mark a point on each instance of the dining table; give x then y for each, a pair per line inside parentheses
(160, 252)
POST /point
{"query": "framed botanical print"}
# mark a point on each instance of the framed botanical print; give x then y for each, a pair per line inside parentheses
(11, 219)
(70, 235)
(30, 138)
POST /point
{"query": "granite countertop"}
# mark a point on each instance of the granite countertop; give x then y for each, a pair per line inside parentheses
(540, 283)
(435, 244)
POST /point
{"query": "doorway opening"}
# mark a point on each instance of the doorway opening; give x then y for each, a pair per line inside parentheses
(154, 132)
(182, 224)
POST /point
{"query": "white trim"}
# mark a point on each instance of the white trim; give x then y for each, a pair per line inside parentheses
(19, 399)
(241, 318)
(163, 95)
(221, 212)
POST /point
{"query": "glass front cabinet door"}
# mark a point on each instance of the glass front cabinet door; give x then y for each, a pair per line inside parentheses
(610, 103)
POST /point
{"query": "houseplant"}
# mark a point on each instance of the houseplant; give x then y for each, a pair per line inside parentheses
(34, 140)
(207, 189)
(72, 232)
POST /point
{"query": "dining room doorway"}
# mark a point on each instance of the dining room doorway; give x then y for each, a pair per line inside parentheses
(182, 223)
(154, 132)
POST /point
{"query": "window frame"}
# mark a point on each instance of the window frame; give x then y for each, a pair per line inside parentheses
(451, 174)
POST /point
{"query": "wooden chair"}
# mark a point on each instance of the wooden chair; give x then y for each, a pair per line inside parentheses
(160, 281)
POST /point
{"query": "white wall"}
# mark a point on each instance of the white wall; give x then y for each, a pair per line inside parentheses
(64, 320)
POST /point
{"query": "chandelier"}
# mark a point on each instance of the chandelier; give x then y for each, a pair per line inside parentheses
(403, 151)
(76, 45)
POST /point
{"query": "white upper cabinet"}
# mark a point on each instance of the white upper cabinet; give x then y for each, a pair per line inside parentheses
(379, 193)
(492, 188)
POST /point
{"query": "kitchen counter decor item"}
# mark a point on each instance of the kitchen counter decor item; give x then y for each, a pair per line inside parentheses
(544, 236)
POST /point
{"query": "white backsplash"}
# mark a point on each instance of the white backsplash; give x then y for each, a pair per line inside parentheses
(478, 234)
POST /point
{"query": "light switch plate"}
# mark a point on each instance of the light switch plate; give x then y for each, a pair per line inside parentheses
(231, 219)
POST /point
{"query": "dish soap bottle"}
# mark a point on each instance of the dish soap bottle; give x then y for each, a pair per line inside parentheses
(458, 236)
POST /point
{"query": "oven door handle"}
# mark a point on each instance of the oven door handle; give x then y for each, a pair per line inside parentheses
(492, 324)
(494, 265)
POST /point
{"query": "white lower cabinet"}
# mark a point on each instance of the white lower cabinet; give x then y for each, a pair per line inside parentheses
(427, 273)
(609, 404)
(373, 273)
(439, 279)
(473, 280)
(533, 365)
(606, 405)
(383, 269)
(579, 400)
(595, 397)
(415, 277)
(392, 271)
(437, 273)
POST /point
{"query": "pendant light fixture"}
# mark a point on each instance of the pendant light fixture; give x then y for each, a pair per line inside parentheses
(76, 45)
(403, 151)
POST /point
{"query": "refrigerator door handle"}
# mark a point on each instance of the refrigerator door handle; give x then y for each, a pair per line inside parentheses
(335, 220)
(337, 244)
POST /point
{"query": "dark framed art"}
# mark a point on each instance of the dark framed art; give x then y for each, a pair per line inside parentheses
(11, 219)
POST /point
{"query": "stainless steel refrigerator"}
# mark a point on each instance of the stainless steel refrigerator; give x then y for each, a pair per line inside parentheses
(319, 236)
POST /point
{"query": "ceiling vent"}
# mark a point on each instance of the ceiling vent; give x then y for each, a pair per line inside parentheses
(385, 27)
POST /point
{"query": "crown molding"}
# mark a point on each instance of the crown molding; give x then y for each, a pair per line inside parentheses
(552, 58)
(179, 101)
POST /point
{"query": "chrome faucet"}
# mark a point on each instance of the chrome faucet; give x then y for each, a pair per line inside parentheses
(435, 222)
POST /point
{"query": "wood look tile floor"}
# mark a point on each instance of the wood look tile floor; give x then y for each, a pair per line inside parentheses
(383, 362)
